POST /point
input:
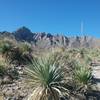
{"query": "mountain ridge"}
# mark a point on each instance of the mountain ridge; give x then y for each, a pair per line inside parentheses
(44, 40)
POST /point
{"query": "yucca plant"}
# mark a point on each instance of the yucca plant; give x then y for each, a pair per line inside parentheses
(45, 76)
(82, 77)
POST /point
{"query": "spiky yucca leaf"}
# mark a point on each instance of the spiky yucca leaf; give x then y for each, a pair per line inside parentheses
(45, 77)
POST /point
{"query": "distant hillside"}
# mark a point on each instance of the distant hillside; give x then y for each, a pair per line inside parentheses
(47, 40)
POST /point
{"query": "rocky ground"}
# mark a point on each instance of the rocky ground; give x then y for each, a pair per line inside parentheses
(96, 75)
(17, 89)
(14, 89)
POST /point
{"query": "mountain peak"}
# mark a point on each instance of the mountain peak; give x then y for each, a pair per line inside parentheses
(23, 34)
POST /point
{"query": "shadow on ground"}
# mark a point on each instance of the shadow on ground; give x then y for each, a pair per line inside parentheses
(93, 95)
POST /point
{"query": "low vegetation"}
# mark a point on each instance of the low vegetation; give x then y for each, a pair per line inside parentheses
(61, 74)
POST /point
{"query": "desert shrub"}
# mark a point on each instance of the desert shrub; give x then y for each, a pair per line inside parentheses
(23, 53)
(16, 53)
(25, 47)
(5, 48)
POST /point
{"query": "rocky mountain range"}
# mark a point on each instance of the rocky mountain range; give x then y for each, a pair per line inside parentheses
(46, 40)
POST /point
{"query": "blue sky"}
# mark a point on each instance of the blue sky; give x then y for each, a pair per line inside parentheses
(54, 16)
